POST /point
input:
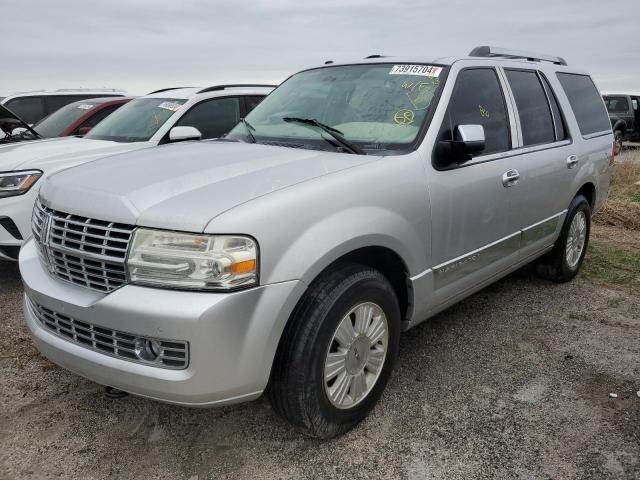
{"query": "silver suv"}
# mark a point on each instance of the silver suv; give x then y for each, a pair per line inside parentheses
(353, 203)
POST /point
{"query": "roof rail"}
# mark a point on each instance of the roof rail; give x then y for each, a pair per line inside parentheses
(88, 90)
(166, 90)
(487, 51)
(239, 85)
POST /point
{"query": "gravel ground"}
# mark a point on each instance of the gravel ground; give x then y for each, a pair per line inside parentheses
(512, 383)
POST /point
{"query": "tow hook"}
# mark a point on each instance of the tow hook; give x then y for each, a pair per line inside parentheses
(114, 393)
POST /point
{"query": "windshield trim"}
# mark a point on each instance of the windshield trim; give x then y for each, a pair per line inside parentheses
(392, 148)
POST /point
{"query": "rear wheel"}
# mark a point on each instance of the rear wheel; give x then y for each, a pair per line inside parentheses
(563, 262)
(337, 352)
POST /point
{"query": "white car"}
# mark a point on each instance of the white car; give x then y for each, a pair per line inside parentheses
(34, 106)
(164, 116)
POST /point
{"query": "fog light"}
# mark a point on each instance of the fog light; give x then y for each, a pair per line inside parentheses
(147, 350)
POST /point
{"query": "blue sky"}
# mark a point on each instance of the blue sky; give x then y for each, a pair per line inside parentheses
(148, 44)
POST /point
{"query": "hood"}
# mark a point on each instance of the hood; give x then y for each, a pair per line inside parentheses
(10, 121)
(54, 153)
(184, 186)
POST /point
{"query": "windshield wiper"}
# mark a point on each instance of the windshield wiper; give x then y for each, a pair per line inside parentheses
(249, 128)
(335, 133)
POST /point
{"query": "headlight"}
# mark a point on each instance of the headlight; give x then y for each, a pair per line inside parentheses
(198, 262)
(17, 183)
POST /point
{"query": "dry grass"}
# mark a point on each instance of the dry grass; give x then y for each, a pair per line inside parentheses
(613, 257)
(622, 208)
(625, 181)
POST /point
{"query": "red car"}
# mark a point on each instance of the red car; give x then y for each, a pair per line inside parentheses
(76, 119)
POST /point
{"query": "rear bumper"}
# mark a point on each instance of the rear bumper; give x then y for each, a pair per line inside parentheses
(232, 337)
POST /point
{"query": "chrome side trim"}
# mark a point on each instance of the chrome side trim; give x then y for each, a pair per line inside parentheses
(542, 229)
(458, 268)
(420, 275)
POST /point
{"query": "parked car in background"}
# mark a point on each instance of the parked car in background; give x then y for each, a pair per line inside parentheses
(353, 203)
(34, 106)
(13, 129)
(78, 118)
(164, 116)
(625, 118)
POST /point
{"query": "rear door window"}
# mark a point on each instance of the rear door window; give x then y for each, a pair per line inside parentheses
(616, 104)
(586, 103)
(477, 99)
(56, 102)
(534, 111)
(30, 109)
(214, 118)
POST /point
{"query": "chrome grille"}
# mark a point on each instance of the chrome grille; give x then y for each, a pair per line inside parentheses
(172, 354)
(82, 250)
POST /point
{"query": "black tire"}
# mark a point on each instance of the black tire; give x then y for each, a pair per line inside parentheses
(554, 265)
(297, 389)
(617, 142)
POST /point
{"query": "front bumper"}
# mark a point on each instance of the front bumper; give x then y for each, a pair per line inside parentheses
(232, 337)
(18, 209)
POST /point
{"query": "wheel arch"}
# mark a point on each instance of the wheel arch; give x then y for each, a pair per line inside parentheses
(588, 190)
(620, 126)
(388, 262)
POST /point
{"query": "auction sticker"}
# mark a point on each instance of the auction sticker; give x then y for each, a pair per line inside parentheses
(173, 106)
(421, 70)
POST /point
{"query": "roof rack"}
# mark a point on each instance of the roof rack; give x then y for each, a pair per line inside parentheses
(166, 90)
(239, 85)
(487, 51)
(88, 90)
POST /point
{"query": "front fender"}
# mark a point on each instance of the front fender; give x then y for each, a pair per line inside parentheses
(304, 228)
(348, 230)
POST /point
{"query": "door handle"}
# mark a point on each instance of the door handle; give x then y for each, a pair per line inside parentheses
(572, 161)
(510, 178)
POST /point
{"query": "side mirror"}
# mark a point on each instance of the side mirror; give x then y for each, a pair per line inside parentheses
(82, 131)
(180, 134)
(469, 139)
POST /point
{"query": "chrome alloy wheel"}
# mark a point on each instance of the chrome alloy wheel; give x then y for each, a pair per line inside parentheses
(576, 239)
(355, 356)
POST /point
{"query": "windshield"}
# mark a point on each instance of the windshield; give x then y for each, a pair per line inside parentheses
(378, 107)
(137, 121)
(55, 124)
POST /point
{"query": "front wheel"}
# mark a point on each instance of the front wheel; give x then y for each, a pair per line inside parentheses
(563, 262)
(337, 352)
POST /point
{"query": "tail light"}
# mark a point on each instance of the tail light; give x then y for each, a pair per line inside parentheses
(613, 153)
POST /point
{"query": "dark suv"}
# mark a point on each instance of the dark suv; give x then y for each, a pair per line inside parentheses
(625, 118)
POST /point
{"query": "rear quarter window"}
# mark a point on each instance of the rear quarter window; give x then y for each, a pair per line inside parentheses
(30, 109)
(586, 103)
